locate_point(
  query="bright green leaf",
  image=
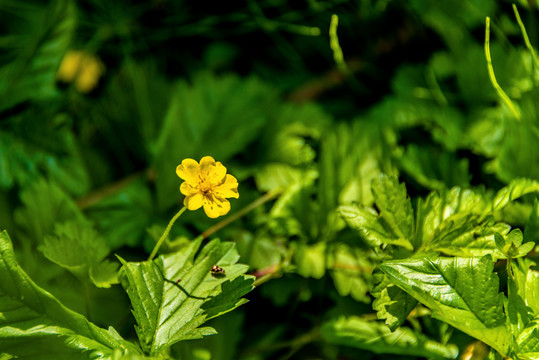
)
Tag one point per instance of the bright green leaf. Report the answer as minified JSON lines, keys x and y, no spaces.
{"x":391,"y":302}
{"x":35,"y":325}
{"x":463,"y":292}
{"x":175,"y":294}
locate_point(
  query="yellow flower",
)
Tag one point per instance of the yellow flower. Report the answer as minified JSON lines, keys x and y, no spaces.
{"x":207,"y":184}
{"x":82,"y":68}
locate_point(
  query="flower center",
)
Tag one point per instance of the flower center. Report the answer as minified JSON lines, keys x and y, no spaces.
{"x":205,"y":187}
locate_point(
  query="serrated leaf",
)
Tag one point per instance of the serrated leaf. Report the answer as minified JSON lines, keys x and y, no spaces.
{"x":391,"y":302}
{"x":394,"y":205}
{"x":175,"y":294}
{"x":373,"y":336}
{"x":532,"y":291}
{"x":463,"y":292}
{"x":365,"y":221}
{"x":350,"y":267}
{"x":527,"y":342}
{"x":77,"y":247}
{"x":44,"y":204}
{"x":36,"y":326}
{"x":32,"y":74}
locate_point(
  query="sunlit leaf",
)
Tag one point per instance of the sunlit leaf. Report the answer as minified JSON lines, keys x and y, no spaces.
{"x":177,"y":293}
{"x":463,"y":292}
{"x":35,"y":325}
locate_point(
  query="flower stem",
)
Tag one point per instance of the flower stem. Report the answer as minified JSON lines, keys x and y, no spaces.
{"x":165,"y":234}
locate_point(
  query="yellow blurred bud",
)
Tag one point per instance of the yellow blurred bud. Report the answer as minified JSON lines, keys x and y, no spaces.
{"x":81,"y":68}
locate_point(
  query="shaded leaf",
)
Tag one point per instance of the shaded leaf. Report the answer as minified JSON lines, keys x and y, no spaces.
{"x":373,"y":336}
{"x":77,"y":247}
{"x":32,"y":74}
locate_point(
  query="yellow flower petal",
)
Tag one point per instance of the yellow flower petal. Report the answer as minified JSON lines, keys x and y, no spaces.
{"x":217,"y":173}
{"x":229,"y":188}
{"x":188,"y":190}
{"x":206,"y":165}
{"x":194,"y":202}
{"x":215,"y":207}
{"x":189,"y":170}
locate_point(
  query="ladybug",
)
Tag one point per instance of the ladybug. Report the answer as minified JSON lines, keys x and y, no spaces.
{"x":217,"y":271}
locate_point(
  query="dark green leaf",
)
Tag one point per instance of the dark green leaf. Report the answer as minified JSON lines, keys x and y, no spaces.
{"x":32,"y":74}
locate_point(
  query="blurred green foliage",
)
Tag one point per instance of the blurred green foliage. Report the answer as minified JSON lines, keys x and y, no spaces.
{"x":384,"y":191}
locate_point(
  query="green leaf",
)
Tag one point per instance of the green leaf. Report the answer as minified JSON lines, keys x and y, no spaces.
{"x":516,"y":189}
{"x":44,"y":204}
{"x":124,"y":217}
{"x":217,"y":116}
{"x":394,"y":205}
{"x":373,"y":336}
{"x":40,"y":143}
{"x":365,"y":221}
{"x":516,"y":293}
{"x":351,"y":268}
{"x":391,"y":302}
{"x":527,"y":342}
{"x":175,"y":294}
{"x":77,"y":247}
{"x":435,"y":169}
{"x":464,"y":292}
{"x":311,"y":260}
{"x":35,"y":325}
{"x":532,"y":291}
{"x":32,"y":74}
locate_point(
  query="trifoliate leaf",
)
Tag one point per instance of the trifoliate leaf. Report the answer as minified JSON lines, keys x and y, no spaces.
{"x":376,"y":337}
{"x":35,"y":325}
{"x":177,"y":293}
{"x":464,"y":292}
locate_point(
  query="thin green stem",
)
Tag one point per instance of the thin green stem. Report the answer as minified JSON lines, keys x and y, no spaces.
{"x":525,"y":36}
{"x":165,"y":234}
{"x":261,"y":200}
{"x":493,"y":80}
